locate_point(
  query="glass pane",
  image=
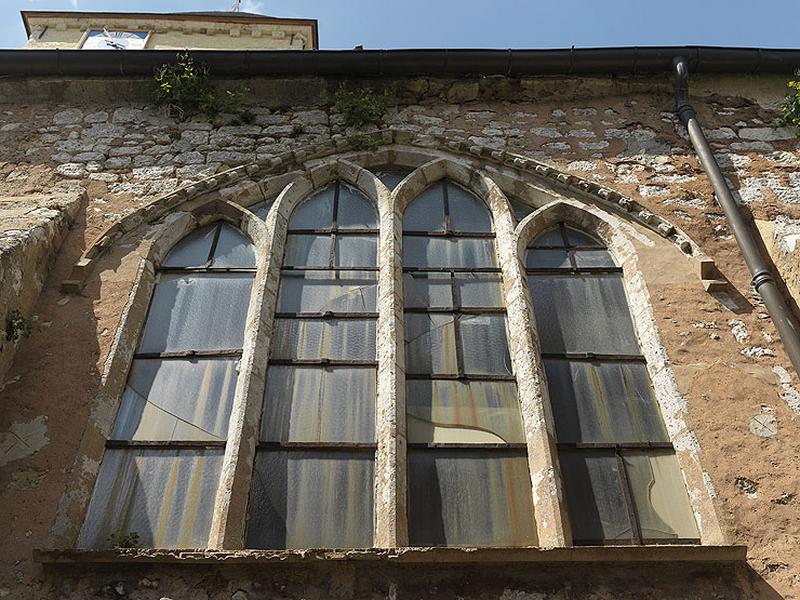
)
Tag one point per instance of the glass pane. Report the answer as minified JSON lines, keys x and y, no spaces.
{"x":197,"y":312}
{"x":595,"y":499}
{"x":262,"y":208}
{"x":578,"y":238}
{"x":463,"y":412}
{"x":321,"y":291}
{"x":192,"y":251}
{"x":552,"y":237}
{"x":582,"y":313}
{"x":547,"y":259}
{"x":521,"y":210}
{"x":356,"y":250}
{"x":166,"y":497}
{"x":603,"y":402}
{"x":594,"y":258}
{"x":233,"y":249}
{"x":484,"y":345}
{"x":316,"y":212}
{"x":467,"y":213}
{"x":659,"y":494}
{"x":480,"y":290}
{"x":307,"y":339}
{"x":469,"y":498}
{"x":177,"y":400}
{"x":319,"y":404}
{"x":430,"y":344}
{"x":311,"y":499}
{"x":392,"y":177}
{"x":421,"y":251}
{"x":427,"y":290}
{"x":355,"y":210}
{"x":307,"y":250}
{"x":426,"y":213}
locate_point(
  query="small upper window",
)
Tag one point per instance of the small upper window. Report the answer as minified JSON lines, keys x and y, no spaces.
{"x":115,"y":39}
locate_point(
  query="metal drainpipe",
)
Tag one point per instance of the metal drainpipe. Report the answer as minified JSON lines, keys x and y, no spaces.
{"x":762,"y":277}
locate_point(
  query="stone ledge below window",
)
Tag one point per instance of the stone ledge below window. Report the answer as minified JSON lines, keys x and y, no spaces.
{"x":574,"y":554}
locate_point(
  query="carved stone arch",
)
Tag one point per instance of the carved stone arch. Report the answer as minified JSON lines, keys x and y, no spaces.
{"x":607,"y":227}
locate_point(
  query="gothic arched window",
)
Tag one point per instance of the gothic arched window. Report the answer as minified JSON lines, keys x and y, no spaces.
{"x":467,"y":465}
{"x":313,"y":476}
{"x":158,"y":480}
{"x":622,"y":480}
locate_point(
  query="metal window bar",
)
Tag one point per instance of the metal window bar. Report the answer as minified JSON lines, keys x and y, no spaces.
{"x":593,"y":357}
{"x":570,"y":249}
{"x":457,"y":310}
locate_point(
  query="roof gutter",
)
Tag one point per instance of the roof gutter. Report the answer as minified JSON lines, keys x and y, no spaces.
{"x":389,"y":63}
{"x":763,"y":281}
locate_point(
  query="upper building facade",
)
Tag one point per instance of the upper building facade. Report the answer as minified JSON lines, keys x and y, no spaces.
{"x":214,"y":30}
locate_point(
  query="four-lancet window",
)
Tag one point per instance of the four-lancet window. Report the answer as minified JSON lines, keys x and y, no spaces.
{"x":313,"y":475}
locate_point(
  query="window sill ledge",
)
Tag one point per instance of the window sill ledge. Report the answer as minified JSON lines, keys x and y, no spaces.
{"x":574,"y":554}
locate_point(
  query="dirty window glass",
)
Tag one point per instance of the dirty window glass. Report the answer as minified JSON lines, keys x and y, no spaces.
{"x":309,"y":339}
{"x":322,"y":291}
{"x":316,"y":212}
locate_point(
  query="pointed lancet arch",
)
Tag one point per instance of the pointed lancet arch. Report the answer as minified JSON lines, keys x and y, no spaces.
{"x":631,"y":302}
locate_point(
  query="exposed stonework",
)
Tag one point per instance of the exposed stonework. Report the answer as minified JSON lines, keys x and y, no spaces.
{"x":614,"y":141}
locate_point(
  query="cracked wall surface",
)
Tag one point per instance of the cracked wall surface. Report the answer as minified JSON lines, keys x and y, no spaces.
{"x":729,"y":367}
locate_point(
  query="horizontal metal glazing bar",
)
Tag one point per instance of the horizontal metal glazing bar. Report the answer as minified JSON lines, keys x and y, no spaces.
{"x":454,"y":446}
{"x":450,"y":270}
{"x":190,"y":353}
{"x":632,"y":542}
{"x":616,"y":446}
{"x":465,"y":310}
{"x":206,"y":270}
{"x":343,"y":446}
{"x":449,"y":234}
{"x":326,"y":315}
{"x":591,"y":356}
{"x":165,"y":445}
{"x":577,"y":270}
{"x":338,"y":231}
{"x":312,"y":268}
{"x":325,"y":362}
{"x":466,"y":377}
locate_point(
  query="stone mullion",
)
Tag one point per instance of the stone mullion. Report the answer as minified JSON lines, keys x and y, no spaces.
{"x":229,"y":520}
{"x":552,"y":524}
{"x":391,"y":525}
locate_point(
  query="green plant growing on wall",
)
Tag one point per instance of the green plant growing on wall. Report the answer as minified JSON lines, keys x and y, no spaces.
{"x":364,"y":141}
{"x":361,"y":106}
{"x":124,"y":539}
{"x":185,"y":88}
{"x":17,"y":326}
{"x":790,"y":109}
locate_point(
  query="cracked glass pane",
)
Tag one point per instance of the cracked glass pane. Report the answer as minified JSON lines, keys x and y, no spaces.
{"x":421,"y":252}
{"x":321,"y":291}
{"x":427,"y":290}
{"x":583,"y":313}
{"x":596,"y":502}
{"x":579,"y":238}
{"x":307,"y":250}
{"x":312,"y":499}
{"x":480,"y":290}
{"x":199,"y":311}
{"x":659,"y":494}
{"x":356,"y":251}
{"x":593,"y":258}
{"x":469,"y":498}
{"x":430,"y":344}
{"x":166,"y":497}
{"x":603,"y":402}
{"x":315,"y":212}
{"x":484,"y":345}
{"x":192,"y":250}
{"x":355,"y":210}
{"x":426,"y":212}
{"x":319,"y":404}
{"x":177,"y":400}
{"x":308,"y":339}
{"x":233,"y":249}
{"x":467,"y":212}
{"x":552,"y":237}
{"x":470,"y":412}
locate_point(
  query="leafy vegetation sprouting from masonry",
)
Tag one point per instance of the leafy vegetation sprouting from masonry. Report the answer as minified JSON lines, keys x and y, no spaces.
{"x":185,"y":88}
{"x":790,"y":109}
{"x":124,"y":539}
{"x":361,"y":106}
{"x":17,"y":326}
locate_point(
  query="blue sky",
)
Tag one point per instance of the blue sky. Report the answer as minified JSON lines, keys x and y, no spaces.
{"x":488,"y":24}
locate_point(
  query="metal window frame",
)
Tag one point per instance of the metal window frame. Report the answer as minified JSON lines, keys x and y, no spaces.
{"x":333,"y":231}
{"x":457,"y":310}
{"x":618,"y":448}
{"x":183,"y":355}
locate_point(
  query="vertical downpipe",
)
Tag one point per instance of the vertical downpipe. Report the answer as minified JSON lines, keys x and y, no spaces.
{"x":762,"y":276}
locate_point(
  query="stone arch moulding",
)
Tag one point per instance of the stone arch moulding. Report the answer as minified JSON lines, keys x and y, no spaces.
{"x":152,"y":245}
{"x":596,"y":221}
{"x":263,"y":180}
